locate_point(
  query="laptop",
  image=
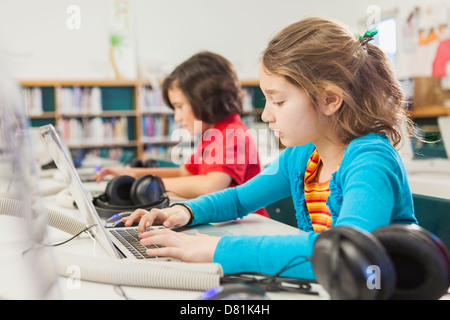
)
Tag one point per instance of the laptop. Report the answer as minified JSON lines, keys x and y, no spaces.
{"x":118,"y":242}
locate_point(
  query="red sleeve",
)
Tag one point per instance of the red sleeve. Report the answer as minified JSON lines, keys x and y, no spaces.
{"x":238,"y":158}
{"x":190,"y":166}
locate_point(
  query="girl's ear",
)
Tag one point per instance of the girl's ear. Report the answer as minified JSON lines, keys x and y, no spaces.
{"x":332,"y":101}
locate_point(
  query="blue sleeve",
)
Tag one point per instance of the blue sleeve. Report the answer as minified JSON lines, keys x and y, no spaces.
{"x":270,"y":185}
{"x":375,"y":191}
{"x":267,"y":254}
{"x":270,"y":253}
{"x":372,"y":184}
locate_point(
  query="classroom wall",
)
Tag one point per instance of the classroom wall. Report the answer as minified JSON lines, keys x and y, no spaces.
{"x":238,"y":29}
{"x":39,"y":42}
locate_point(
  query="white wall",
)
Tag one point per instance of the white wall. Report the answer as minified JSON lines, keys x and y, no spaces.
{"x":38,"y":44}
{"x":169,"y":31}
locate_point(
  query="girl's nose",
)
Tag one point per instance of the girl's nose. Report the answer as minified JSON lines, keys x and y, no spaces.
{"x":177,"y":115}
{"x":267,"y":115}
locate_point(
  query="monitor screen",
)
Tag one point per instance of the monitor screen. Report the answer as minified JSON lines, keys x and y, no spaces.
{"x":79,"y":193}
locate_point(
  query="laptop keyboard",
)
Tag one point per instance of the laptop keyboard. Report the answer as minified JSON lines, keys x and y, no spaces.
{"x":129,"y":238}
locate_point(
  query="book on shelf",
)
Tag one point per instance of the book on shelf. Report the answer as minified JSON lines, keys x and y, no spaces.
{"x":79,"y":101}
{"x":157,"y":129}
{"x":94,"y":131}
{"x":32,"y":97}
{"x":174,"y":154}
{"x":150,"y":100}
{"x":113,"y":154}
{"x":247,"y":100}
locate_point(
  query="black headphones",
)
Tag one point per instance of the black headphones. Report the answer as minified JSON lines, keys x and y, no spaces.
{"x":125,"y":193}
{"x":138,"y":163}
{"x":393,"y":262}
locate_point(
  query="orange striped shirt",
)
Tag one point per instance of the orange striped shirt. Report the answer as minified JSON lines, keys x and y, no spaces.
{"x":316,"y":195}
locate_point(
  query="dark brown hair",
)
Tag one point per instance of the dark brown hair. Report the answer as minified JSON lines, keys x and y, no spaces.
{"x":210,"y":84}
{"x":318,"y":54}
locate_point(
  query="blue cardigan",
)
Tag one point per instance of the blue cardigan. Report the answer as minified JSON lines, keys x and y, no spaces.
{"x":369,"y":190}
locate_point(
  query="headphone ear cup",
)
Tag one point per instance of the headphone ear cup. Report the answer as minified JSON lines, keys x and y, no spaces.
{"x":117,"y":190}
{"x":147,"y":189}
{"x":420,"y":259}
{"x":341,"y":260}
{"x":136,"y":163}
{"x":151,"y":163}
{"x":125,"y":193}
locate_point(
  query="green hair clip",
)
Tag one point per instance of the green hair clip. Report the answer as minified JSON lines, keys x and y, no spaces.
{"x":368,"y":36}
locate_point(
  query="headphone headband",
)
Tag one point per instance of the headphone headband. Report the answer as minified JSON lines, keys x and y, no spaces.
{"x":392,"y":262}
{"x":125,"y":193}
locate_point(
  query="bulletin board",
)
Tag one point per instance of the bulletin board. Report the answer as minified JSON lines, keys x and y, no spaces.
{"x":424,"y":42}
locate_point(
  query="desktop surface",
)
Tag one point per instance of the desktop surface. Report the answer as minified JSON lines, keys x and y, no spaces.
{"x":252,"y":224}
{"x":71,"y":288}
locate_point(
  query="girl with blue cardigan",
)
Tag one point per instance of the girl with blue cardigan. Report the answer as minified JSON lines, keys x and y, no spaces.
{"x":333,"y":100}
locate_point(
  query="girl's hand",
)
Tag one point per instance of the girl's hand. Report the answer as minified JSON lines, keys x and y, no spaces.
{"x":176,"y":216}
{"x":99,"y":175}
{"x":187,"y":248}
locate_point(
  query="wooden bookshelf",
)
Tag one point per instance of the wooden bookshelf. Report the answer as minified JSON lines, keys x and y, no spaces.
{"x":431,"y":111}
{"x":249,"y":83}
{"x":120,"y":99}
{"x":80,"y":82}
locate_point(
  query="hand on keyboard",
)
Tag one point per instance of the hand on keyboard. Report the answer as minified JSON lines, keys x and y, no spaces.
{"x":178,"y":245}
{"x":176,"y":216}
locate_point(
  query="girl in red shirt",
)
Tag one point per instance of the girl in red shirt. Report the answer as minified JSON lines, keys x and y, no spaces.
{"x":205,"y":93}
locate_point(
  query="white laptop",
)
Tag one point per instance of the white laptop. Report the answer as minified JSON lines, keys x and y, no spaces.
{"x":118,"y":242}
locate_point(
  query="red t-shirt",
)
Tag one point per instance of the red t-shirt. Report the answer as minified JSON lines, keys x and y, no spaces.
{"x":227,"y":147}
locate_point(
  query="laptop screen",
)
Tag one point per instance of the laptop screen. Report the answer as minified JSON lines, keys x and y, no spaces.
{"x":63,"y":161}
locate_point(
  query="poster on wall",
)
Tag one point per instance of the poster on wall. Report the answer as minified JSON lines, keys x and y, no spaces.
{"x":425,"y":40}
{"x":122,"y":53}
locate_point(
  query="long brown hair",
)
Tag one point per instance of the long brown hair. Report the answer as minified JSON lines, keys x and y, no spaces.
{"x":317,"y":54}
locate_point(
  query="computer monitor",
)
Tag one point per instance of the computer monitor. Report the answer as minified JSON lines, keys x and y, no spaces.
{"x":84,"y":203}
{"x":27,"y":269}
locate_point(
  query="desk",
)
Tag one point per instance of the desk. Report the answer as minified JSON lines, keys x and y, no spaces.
{"x":13,"y":229}
{"x":429,"y":177}
{"x":252,"y":224}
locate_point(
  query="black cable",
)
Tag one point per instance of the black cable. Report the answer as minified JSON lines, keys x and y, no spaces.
{"x":273,"y":283}
{"x":119,"y":290}
{"x":61,"y":243}
{"x":64,"y":242}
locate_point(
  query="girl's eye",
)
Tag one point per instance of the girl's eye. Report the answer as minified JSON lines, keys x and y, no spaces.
{"x":278,"y":103}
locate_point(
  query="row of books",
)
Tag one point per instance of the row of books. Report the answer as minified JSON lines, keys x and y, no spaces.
{"x":157,"y":127}
{"x":247,"y":99}
{"x":158,"y":152}
{"x":78,"y":100}
{"x":114,"y":154}
{"x":94,"y":131}
{"x":32,"y":97}
{"x":150,"y":99}
{"x":176,"y":154}
{"x":88,"y":100}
